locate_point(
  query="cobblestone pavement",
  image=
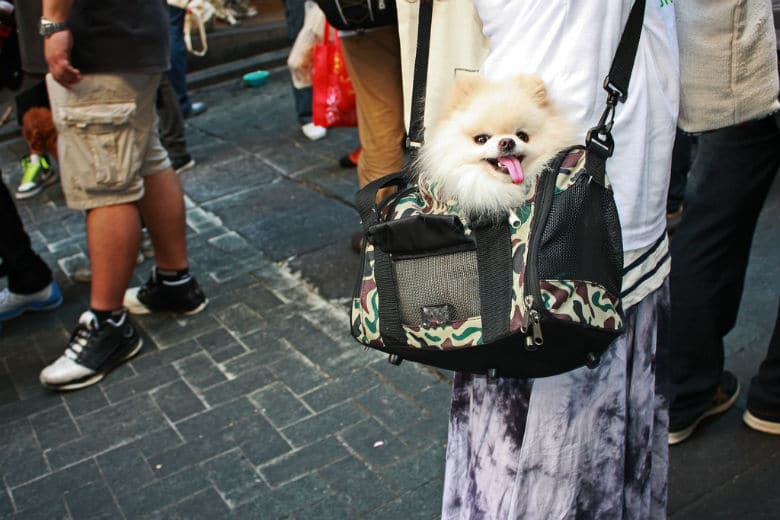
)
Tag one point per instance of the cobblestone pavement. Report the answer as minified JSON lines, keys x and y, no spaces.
{"x":262,"y":406}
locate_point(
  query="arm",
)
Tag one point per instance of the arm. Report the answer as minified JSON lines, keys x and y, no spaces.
{"x":57,"y":46}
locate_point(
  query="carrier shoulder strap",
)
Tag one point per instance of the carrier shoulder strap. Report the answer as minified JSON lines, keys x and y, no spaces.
{"x":599,"y":142}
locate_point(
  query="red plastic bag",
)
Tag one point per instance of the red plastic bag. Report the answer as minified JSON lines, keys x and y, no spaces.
{"x":333,"y":99}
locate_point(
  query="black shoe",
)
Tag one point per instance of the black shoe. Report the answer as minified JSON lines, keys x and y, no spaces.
{"x":183,"y":296}
{"x":93,"y":351}
{"x":181,"y":164}
{"x":724,"y":397}
{"x":761,"y":422}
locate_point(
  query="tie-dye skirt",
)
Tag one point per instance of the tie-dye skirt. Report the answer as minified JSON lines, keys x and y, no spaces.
{"x":588,"y":444}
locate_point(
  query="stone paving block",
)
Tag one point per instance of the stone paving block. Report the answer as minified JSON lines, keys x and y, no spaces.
{"x":266,"y":354}
{"x":221,"y":345}
{"x":304,"y":461}
{"x":240,"y":319}
{"x":345,"y":387}
{"x":50,"y":510}
{"x":375,"y":444}
{"x":152,"y":357}
{"x":137,"y":414}
{"x":54,"y":427}
{"x":409,"y":378}
{"x":140,"y":383}
{"x":414,"y":471}
{"x":162,"y":493}
{"x":20,"y":409}
{"x":125,"y":469}
{"x":200,"y":371}
{"x":234,"y":478}
{"x":54,"y":485}
{"x":297,"y":373}
{"x":356,"y":485}
{"x":242,"y":385}
{"x":279,"y":405}
{"x":427,"y":431}
{"x":93,"y":501}
{"x":8,"y":392}
{"x":158,"y":441}
{"x":324,"y":423}
{"x":423,"y":503}
{"x":6,"y":507}
{"x":21,"y":459}
{"x":331,"y":508}
{"x":205,"y":505}
{"x":191,"y":453}
{"x":175,"y":330}
{"x":216,"y":418}
{"x":436,"y":398}
{"x":85,"y":401}
{"x":392,"y":408}
{"x":177,"y":401}
{"x":309,"y":489}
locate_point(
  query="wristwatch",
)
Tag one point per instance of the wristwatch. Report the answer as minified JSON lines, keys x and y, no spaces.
{"x":47,"y":27}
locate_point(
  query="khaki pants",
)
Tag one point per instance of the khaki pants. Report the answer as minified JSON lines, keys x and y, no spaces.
{"x":374,"y":64}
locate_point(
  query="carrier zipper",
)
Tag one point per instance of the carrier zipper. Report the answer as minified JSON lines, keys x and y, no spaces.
{"x":531,"y":318}
{"x":533,"y":293}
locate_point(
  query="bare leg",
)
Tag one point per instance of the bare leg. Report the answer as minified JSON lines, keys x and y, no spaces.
{"x":113,"y":235}
{"x":163,"y":212}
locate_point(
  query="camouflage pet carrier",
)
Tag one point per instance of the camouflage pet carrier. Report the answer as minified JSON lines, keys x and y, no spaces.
{"x":532,"y":295}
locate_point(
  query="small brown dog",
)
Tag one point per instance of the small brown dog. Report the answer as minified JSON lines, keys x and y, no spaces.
{"x":39,"y":132}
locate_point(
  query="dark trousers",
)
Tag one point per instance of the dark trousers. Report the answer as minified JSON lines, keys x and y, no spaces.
{"x":681,"y":164}
{"x":730,"y":176}
{"x":764,"y":395}
{"x":26,"y":272}
{"x":178,"y":71}
{"x":171,"y":121}
{"x":294,"y":13}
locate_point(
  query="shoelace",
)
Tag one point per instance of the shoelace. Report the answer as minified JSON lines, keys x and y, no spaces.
{"x":80,"y":338}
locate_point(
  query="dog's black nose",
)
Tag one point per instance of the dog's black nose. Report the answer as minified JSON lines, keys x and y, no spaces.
{"x":506,"y":144}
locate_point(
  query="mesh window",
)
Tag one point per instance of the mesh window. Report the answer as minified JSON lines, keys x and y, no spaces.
{"x":581,"y":231}
{"x":450,"y":279}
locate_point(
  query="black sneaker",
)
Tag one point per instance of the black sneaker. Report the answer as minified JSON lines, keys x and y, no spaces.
{"x":762,"y":422}
{"x":724,"y":397}
{"x":93,"y":351}
{"x":182,"y":296}
{"x":182,"y":164}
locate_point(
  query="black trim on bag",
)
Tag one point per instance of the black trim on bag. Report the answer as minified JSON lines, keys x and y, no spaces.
{"x":494,"y":264}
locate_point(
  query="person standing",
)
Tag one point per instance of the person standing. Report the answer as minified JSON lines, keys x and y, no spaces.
{"x":590,"y":443}
{"x":105,"y":58}
{"x":733,"y":112}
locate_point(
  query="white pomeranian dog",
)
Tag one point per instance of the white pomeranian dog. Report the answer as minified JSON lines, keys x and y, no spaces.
{"x":491,"y":143}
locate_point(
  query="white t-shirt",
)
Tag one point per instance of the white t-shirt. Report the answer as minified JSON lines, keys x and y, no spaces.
{"x":571,"y":44}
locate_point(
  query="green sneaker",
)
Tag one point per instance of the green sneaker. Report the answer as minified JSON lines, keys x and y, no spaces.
{"x":36,"y":175}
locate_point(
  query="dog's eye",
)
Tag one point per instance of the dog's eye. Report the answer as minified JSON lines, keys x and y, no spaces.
{"x":481,"y":138}
{"x":523,"y":136}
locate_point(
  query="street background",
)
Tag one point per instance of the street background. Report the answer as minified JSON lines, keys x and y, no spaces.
{"x":263,"y":406}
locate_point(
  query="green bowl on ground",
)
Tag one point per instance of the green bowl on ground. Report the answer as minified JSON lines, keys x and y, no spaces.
{"x":256,"y":78}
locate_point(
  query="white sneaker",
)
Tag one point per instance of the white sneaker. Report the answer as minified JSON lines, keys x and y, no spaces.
{"x":313,"y":131}
{"x":12,"y":304}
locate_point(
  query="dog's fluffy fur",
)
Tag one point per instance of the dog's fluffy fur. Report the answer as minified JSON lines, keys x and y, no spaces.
{"x":483,"y":125}
{"x":39,"y":132}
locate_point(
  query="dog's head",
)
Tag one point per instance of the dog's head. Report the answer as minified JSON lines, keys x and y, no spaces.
{"x":492,"y":142}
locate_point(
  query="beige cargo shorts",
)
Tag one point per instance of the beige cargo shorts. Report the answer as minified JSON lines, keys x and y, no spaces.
{"x":108,"y":140}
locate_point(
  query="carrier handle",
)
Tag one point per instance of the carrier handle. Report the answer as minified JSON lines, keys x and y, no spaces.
{"x":365,"y":200}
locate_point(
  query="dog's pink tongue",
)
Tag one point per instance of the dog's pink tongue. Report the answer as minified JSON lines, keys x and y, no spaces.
{"x":513,"y":166}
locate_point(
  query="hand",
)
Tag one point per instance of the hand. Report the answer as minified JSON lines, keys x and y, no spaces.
{"x":57,"y":51}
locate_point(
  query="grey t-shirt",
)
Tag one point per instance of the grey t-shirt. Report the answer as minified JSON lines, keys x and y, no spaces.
{"x":120,"y":36}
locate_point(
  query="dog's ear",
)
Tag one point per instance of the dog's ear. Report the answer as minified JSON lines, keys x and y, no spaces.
{"x":535,"y":87}
{"x":464,"y":87}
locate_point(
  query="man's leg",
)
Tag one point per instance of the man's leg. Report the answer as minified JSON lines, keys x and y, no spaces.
{"x":729,"y":180}
{"x":30,"y":284}
{"x":113,"y":235}
{"x":763,"y":406}
{"x":162,"y":208}
{"x":178,"y":71}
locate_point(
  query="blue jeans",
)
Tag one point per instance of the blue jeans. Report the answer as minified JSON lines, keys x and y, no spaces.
{"x":728,"y":182}
{"x":178,"y":71}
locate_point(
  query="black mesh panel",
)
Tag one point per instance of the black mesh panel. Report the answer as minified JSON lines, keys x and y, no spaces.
{"x":581,"y":229}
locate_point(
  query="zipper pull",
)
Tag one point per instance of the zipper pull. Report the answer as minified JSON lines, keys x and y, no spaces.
{"x":382,"y":5}
{"x":528,"y":301}
{"x":536,"y":326}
